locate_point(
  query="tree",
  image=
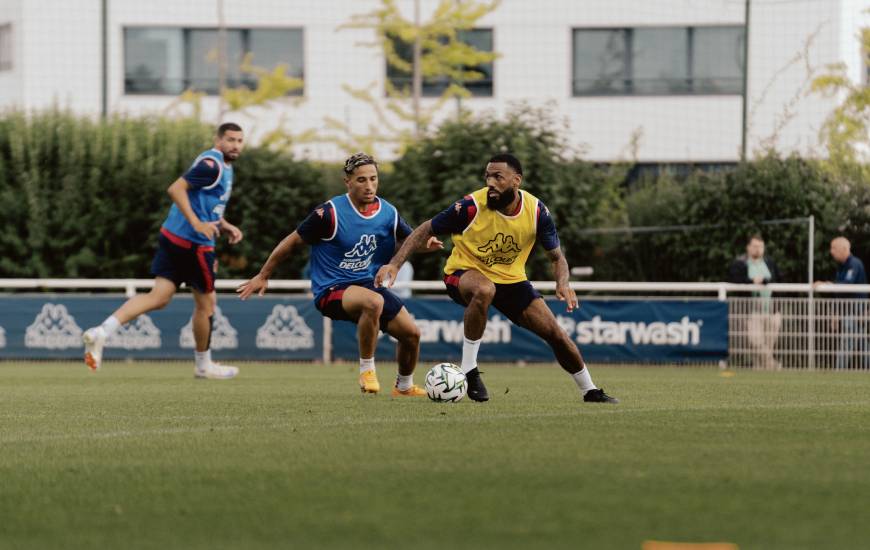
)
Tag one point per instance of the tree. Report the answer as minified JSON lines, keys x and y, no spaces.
{"x":448,"y":164}
{"x":437,"y":52}
{"x":846,"y":132}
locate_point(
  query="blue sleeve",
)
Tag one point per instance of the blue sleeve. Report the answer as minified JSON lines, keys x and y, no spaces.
{"x":456,"y":218}
{"x":546,"y":229}
{"x":860,"y":275}
{"x":203,"y":173}
{"x":402,"y":229}
{"x":318,"y":225}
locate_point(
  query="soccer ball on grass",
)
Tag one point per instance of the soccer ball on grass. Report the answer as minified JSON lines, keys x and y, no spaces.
{"x":445,"y":383}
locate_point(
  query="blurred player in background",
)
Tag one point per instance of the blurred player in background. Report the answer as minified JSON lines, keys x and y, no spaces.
{"x":185,"y":252}
{"x":494,"y":230}
{"x":351,"y":236}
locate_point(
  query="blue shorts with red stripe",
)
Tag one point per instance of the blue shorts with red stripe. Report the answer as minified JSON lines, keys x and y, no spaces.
{"x":510,"y":298}
{"x":328,"y":302}
{"x":183,"y":261}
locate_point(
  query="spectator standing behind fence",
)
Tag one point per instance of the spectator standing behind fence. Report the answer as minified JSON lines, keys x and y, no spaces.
{"x":849,"y":309}
{"x":764,"y":322}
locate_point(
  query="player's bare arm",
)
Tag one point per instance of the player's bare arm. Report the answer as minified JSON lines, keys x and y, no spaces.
{"x":234,"y":233}
{"x":178,"y":192}
{"x":560,"y":269}
{"x":432,"y":245}
{"x":260,"y":281}
{"x":416,"y":240}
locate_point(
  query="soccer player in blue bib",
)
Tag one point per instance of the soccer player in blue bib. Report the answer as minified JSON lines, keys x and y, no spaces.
{"x":351,"y":236}
{"x":185,"y":252}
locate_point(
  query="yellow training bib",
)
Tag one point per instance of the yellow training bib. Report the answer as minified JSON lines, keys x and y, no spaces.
{"x":494,"y":244}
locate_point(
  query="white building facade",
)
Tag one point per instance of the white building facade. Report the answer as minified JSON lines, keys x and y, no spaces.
{"x":659,"y":82}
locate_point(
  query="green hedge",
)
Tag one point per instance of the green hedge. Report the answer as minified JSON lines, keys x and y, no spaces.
{"x":85,"y":198}
{"x":80,"y":198}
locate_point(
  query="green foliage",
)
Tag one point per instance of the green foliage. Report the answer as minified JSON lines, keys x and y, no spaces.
{"x":730,"y":206}
{"x":448,"y":165}
{"x":271,"y":85}
{"x":80,"y":198}
{"x":443,"y":56}
{"x":85,"y":199}
{"x":847,"y":129}
{"x":273,"y":194}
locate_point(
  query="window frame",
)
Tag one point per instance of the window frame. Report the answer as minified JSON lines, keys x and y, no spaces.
{"x":185,"y":60}
{"x":629,"y":89}
{"x":7,"y":55}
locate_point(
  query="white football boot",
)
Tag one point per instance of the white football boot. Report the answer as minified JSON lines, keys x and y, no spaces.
{"x":94,"y":339}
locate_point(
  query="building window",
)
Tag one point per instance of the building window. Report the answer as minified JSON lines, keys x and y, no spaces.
{"x":6,"y":47}
{"x":171,"y":60}
{"x":658,"y":61}
{"x":479,"y":39}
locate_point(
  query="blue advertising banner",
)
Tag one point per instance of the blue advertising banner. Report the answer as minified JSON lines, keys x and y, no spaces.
{"x":51,"y":326}
{"x":607,"y":331}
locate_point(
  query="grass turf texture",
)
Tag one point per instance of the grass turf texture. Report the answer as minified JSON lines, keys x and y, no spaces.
{"x":144,"y":456}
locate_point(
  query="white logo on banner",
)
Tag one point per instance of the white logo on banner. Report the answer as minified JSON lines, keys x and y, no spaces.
{"x":498,"y":330}
{"x":2,"y":338}
{"x":677,"y":333}
{"x":285,"y":329}
{"x":223,"y":335}
{"x":140,"y":333}
{"x":53,"y":328}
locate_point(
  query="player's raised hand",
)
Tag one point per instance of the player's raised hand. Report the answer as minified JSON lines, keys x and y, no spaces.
{"x":434,"y":244}
{"x":386,"y":276}
{"x":566,"y":294}
{"x":210,"y":229}
{"x":257,"y":284}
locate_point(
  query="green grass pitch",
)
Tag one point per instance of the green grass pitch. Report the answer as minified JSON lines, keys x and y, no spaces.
{"x":293,"y":456}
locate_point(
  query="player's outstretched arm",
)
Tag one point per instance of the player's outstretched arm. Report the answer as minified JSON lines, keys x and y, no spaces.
{"x":259,"y":282}
{"x":416,"y":240}
{"x":178,"y":192}
{"x":564,"y":292}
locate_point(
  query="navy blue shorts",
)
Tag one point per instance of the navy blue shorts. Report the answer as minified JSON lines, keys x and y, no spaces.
{"x":328,"y":302}
{"x":182,"y":261}
{"x":511,"y":298}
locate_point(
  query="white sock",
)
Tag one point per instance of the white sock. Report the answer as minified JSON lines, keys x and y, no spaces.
{"x":366,"y":365}
{"x":404,"y":382}
{"x":469,"y":354}
{"x":202,"y":358}
{"x":110,"y":325}
{"x":583,"y":380}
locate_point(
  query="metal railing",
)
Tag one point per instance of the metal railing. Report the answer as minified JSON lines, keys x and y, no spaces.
{"x":801,"y":326}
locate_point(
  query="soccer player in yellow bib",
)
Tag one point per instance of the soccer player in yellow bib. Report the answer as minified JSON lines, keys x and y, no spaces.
{"x":494,"y":230}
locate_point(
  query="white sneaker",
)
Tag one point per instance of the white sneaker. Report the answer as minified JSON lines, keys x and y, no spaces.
{"x":215,"y":371}
{"x":94,"y":339}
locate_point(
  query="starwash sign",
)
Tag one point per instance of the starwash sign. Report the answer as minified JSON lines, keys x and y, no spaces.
{"x":628,"y":331}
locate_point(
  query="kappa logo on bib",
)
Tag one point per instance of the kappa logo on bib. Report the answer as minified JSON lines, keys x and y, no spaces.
{"x":360,"y":257}
{"x":501,"y":249}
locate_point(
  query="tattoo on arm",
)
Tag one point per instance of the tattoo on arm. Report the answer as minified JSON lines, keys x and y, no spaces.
{"x":560,"y":265}
{"x":415,"y":240}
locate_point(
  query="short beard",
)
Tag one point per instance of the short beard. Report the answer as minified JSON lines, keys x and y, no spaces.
{"x":503,"y":200}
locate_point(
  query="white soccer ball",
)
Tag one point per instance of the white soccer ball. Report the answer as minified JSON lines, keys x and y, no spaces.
{"x":445,"y":383}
